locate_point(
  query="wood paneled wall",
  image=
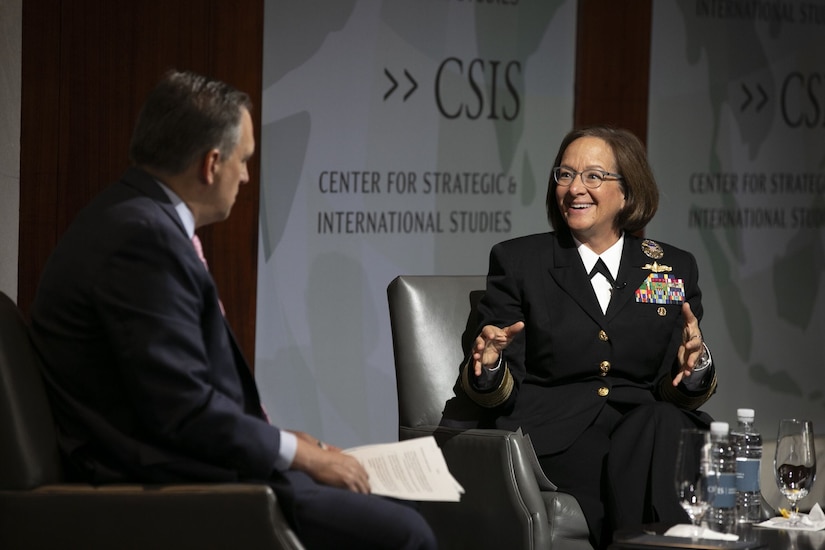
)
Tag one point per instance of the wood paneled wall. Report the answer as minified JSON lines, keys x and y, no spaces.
{"x":88,"y":65}
{"x":613,"y":63}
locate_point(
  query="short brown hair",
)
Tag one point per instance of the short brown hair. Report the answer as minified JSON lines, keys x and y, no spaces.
{"x":641,"y":191}
{"x":185,"y":116}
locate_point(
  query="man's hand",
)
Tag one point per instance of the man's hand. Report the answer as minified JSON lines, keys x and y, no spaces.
{"x":328,"y":465}
{"x":491,"y":342}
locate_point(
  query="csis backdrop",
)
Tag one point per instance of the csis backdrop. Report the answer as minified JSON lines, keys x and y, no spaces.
{"x":737,"y":141}
{"x":398,"y":137}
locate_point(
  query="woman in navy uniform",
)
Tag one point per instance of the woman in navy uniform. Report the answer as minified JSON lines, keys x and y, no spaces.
{"x":589,"y":338}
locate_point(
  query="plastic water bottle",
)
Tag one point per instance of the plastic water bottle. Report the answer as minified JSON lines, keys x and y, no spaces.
{"x":748,"y":445}
{"x":721,"y":480}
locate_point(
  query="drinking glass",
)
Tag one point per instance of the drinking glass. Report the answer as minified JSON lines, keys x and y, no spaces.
{"x":692,"y":461}
{"x":795,"y":462}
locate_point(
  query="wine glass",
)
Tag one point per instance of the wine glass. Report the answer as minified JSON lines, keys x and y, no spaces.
{"x":795,"y":462}
{"x":692,"y":461}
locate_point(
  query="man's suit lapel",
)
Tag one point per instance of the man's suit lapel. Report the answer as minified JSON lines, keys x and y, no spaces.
{"x":567,"y":270}
{"x":252,"y":399}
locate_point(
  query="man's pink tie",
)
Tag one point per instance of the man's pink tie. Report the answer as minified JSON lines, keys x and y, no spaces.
{"x":196,"y":242}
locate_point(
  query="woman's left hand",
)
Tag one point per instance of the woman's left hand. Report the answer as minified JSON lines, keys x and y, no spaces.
{"x":692,"y":346}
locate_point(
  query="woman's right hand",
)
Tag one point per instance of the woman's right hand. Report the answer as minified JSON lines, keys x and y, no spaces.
{"x":491,"y":342}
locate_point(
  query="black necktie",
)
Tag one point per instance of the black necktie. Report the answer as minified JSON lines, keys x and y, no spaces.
{"x":600,"y":267}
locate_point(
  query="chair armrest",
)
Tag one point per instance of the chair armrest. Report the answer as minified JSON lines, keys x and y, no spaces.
{"x":541,"y":478}
{"x":233,"y":515}
{"x":502,"y":505}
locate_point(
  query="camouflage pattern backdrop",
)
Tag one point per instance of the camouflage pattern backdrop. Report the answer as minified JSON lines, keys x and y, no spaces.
{"x":737,"y":141}
{"x":398,"y":137}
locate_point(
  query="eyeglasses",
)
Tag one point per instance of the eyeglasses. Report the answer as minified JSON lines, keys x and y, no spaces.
{"x":592,"y":179}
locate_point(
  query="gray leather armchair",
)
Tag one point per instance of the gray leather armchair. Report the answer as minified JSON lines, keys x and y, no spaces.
{"x":508,"y":503}
{"x":39,"y":510}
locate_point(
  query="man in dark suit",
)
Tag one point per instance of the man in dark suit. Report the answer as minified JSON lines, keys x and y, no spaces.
{"x":146,"y":380}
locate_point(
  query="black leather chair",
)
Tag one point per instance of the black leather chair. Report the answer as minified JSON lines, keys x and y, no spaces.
{"x":39,"y":510}
{"x":508,"y":503}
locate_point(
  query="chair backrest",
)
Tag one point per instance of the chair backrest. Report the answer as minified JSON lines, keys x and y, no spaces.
{"x":433,"y":322}
{"x":28,"y":442}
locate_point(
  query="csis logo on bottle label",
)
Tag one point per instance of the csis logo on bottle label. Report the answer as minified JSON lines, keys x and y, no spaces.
{"x":722,"y":490}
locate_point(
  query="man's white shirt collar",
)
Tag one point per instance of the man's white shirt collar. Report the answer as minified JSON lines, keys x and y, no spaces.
{"x":185,"y":215}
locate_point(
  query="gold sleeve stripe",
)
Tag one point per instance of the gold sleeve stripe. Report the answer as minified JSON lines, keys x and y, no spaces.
{"x":492,"y":398}
{"x":681,"y":399}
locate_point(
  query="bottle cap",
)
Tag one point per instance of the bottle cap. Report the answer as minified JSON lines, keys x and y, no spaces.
{"x":745,"y":415}
{"x":719,"y":428}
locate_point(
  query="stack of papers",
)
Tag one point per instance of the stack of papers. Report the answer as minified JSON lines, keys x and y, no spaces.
{"x":413,"y":469}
